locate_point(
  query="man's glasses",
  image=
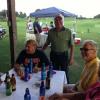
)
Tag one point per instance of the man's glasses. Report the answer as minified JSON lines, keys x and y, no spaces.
{"x":85,"y":49}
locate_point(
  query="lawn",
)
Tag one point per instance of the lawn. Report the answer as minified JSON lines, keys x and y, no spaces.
{"x":85,"y":28}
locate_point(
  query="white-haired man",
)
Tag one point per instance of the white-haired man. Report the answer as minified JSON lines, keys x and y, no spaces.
{"x":61,"y":41}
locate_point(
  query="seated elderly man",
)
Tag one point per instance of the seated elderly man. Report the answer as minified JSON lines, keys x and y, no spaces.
{"x":31,"y":52}
{"x":89,"y":76}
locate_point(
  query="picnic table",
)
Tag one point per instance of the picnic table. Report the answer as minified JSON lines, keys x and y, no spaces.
{"x":57,"y":82}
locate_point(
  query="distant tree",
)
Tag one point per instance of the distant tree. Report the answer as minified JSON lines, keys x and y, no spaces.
{"x":22,"y":15}
{"x":3,"y":13}
{"x":17,"y":14}
{"x":81,"y":17}
{"x":97,"y":16}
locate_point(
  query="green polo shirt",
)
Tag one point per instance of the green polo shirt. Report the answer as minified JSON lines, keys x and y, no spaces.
{"x":60,"y":41}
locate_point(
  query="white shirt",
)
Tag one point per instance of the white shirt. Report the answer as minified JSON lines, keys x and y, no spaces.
{"x":30,"y":25}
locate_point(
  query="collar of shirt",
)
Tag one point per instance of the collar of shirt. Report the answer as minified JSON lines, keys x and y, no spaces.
{"x":92,"y":61}
{"x":62,"y":29}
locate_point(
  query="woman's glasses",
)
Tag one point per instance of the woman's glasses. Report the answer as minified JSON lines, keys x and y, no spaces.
{"x":85,"y":49}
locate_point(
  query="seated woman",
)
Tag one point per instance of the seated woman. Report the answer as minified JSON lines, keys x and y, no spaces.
{"x":31,"y":52}
{"x":89,"y":75}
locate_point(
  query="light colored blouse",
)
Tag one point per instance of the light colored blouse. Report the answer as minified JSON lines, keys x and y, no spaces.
{"x":89,"y":75}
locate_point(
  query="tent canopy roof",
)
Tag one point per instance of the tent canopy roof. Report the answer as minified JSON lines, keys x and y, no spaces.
{"x":51,"y":12}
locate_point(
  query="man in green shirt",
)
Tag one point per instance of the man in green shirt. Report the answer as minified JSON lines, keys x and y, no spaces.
{"x":61,"y":41}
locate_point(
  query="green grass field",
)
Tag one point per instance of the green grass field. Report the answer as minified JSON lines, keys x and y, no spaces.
{"x":86,"y":29}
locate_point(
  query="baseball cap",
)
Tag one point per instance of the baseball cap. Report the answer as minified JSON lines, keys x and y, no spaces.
{"x":58,"y":17}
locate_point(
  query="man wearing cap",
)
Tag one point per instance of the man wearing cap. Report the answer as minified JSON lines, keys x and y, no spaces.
{"x":61,"y":41}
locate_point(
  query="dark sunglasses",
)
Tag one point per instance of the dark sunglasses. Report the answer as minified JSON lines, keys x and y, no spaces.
{"x":85,"y":49}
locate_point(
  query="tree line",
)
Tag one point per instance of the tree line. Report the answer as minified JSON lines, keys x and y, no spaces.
{"x":3,"y":14}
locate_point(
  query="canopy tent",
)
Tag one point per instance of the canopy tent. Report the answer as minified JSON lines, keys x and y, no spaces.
{"x":51,"y":12}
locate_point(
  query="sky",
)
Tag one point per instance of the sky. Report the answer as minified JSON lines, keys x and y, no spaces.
{"x":86,"y":8}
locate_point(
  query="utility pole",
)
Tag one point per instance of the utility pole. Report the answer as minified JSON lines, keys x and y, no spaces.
{"x":12,"y":29}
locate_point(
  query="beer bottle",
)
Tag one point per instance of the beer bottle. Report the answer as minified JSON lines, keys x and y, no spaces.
{"x":13,"y":82}
{"x":27,"y":75}
{"x":8,"y":87}
{"x":27,"y":95}
{"x":30,"y":65}
{"x":48,"y":80}
{"x":51,"y":69}
{"x":42,"y":91}
{"x":43,"y":72}
{"x":7,"y":76}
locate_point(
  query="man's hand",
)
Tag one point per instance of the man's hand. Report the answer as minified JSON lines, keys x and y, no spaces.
{"x":18,"y":70}
{"x":71,"y":61}
{"x":20,"y":73}
{"x":35,"y":69}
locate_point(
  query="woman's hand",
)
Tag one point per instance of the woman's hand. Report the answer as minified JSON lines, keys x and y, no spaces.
{"x":56,"y":96}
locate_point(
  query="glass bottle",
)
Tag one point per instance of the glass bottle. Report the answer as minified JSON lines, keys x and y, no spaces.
{"x":8,"y":87}
{"x":30,"y":65}
{"x":26,"y":74}
{"x":48,"y":80}
{"x":51,"y":69}
{"x":27,"y":95}
{"x":42,"y":91}
{"x":43,"y":72}
{"x":13,"y":82}
{"x":7,"y":76}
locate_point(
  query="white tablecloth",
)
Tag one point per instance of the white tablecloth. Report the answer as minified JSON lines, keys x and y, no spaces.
{"x":57,"y":82}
